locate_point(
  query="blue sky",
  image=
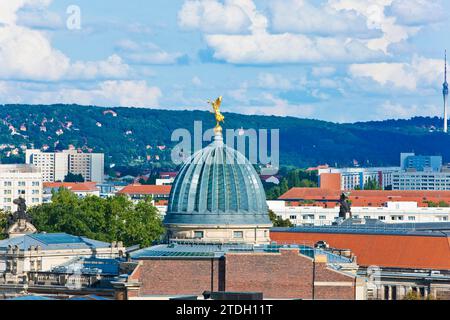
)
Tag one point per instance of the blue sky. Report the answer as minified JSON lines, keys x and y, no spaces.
{"x":336,"y":60}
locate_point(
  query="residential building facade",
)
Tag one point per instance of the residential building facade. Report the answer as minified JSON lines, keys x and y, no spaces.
{"x":81,"y":189}
{"x":392,"y":212}
{"x":357,"y":178}
{"x":19,"y":180}
{"x":56,"y":165}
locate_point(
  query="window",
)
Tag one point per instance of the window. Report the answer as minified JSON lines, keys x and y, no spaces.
{"x":382,"y":218}
{"x":412,"y":218}
{"x":21,"y":184}
{"x":198,"y":234}
{"x":322,"y":217}
{"x":35,"y":192}
{"x":7,"y":192}
{"x":35,"y":183}
{"x":293,"y":217}
{"x":8,"y":200}
{"x":7,"y":183}
{"x":238,"y":234}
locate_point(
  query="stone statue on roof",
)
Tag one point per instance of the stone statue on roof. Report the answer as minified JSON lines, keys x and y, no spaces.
{"x":19,"y":222}
{"x":345,"y":210}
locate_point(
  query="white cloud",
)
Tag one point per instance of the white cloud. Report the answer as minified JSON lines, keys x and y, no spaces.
{"x":279,"y":107}
{"x":147,"y":53}
{"x":27,"y":54}
{"x":240,"y":94}
{"x":211,"y":16}
{"x":38,"y":17}
{"x":111,"y":68}
{"x":131,"y":93}
{"x":418,"y":12}
{"x":374,"y":12}
{"x":273,"y":81}
{"x":124,"y":93}
{"x":196,"y":81}
{"x":421,"y":72}
{"x":301,"y":16}
{"x":323,"y":71}
{"x":266,"y":48}
{"x":302,"y":31}
{"x":389,"y":110}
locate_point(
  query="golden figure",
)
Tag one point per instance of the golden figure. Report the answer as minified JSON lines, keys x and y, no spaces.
{"x":219,"y":116}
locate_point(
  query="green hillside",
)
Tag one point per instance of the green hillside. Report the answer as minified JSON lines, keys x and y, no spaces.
{"x":142,"y":137}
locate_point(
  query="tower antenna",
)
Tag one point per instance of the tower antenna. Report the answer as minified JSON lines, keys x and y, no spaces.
{"x":445,"y":94}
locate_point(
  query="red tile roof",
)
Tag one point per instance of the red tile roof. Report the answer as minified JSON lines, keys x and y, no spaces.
{"x":168,"y":174}
{"x":375,"y":198}
{"x":137,"y":189}
{"x":396,"y":251}
{"x":73,"y":186}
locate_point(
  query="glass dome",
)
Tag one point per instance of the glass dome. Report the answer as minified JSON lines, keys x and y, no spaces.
{"x":217,"y":186}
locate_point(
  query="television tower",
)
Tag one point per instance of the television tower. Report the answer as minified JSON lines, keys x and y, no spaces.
{"x":445,"y":94}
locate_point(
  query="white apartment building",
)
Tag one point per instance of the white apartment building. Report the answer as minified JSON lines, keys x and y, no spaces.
{"x":394,"y":212}
{"x":56,"y":165}
{"x":421,"y":180}
{"x":19,"y":180}
{"x":352,"y":178}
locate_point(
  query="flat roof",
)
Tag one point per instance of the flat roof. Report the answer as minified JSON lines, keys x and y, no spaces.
{"x":211,"y":251}
{"x":420,"y":246}
{"x":53,"y":241}
{"x":432,"y":229}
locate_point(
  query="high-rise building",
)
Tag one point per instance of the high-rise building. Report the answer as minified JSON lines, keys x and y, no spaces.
{"x":56,"y":165}
{"x":445,"y":94}
{"x":19,"y":180}
{"x":412,"y":162}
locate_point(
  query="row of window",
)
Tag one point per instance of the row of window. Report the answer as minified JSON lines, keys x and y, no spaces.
{"x":236,"y":234}
{"x":10,"y":200}
{"x":382,"y":218}
{"x":20,"y":192}
{"x":21,"y":183}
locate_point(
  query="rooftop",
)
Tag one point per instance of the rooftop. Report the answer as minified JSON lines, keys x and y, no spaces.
{"x":138,"y":189}
{"x":210,"y":250}
{"x":19,"y":168}
{"x":409,"y":246}
{"x":53,"y":241}
{"x":362,"y":198}
{"x":73,"y":186}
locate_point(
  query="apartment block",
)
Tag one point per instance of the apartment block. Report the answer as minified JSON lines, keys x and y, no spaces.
{"x":19,"y":180}
{"x":56,"y":165}
{"x":356,"y":178}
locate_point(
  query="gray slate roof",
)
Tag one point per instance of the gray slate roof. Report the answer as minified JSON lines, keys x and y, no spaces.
{"x":53,"y":241}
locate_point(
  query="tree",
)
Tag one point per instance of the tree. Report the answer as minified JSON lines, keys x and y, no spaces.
{"x":443,"y":204}
{"x":372,"y":184}
{"x":294,"y":178}
{"x":278,"y":221}
{"x":112,"y":219}
{"x":414,"y":295}
{"x":70,"y":177}
{"x":3,"y":223}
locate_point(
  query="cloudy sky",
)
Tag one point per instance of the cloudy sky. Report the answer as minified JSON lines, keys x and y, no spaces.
{"x":337,"y":60}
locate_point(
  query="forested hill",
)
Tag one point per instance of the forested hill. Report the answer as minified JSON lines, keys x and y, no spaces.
{"x":142,"y":137}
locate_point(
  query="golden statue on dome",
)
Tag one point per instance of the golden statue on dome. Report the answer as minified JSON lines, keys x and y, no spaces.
{"x":219,"y":116}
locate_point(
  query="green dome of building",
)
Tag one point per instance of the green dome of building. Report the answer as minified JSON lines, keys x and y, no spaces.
{"x":218,"y":189}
